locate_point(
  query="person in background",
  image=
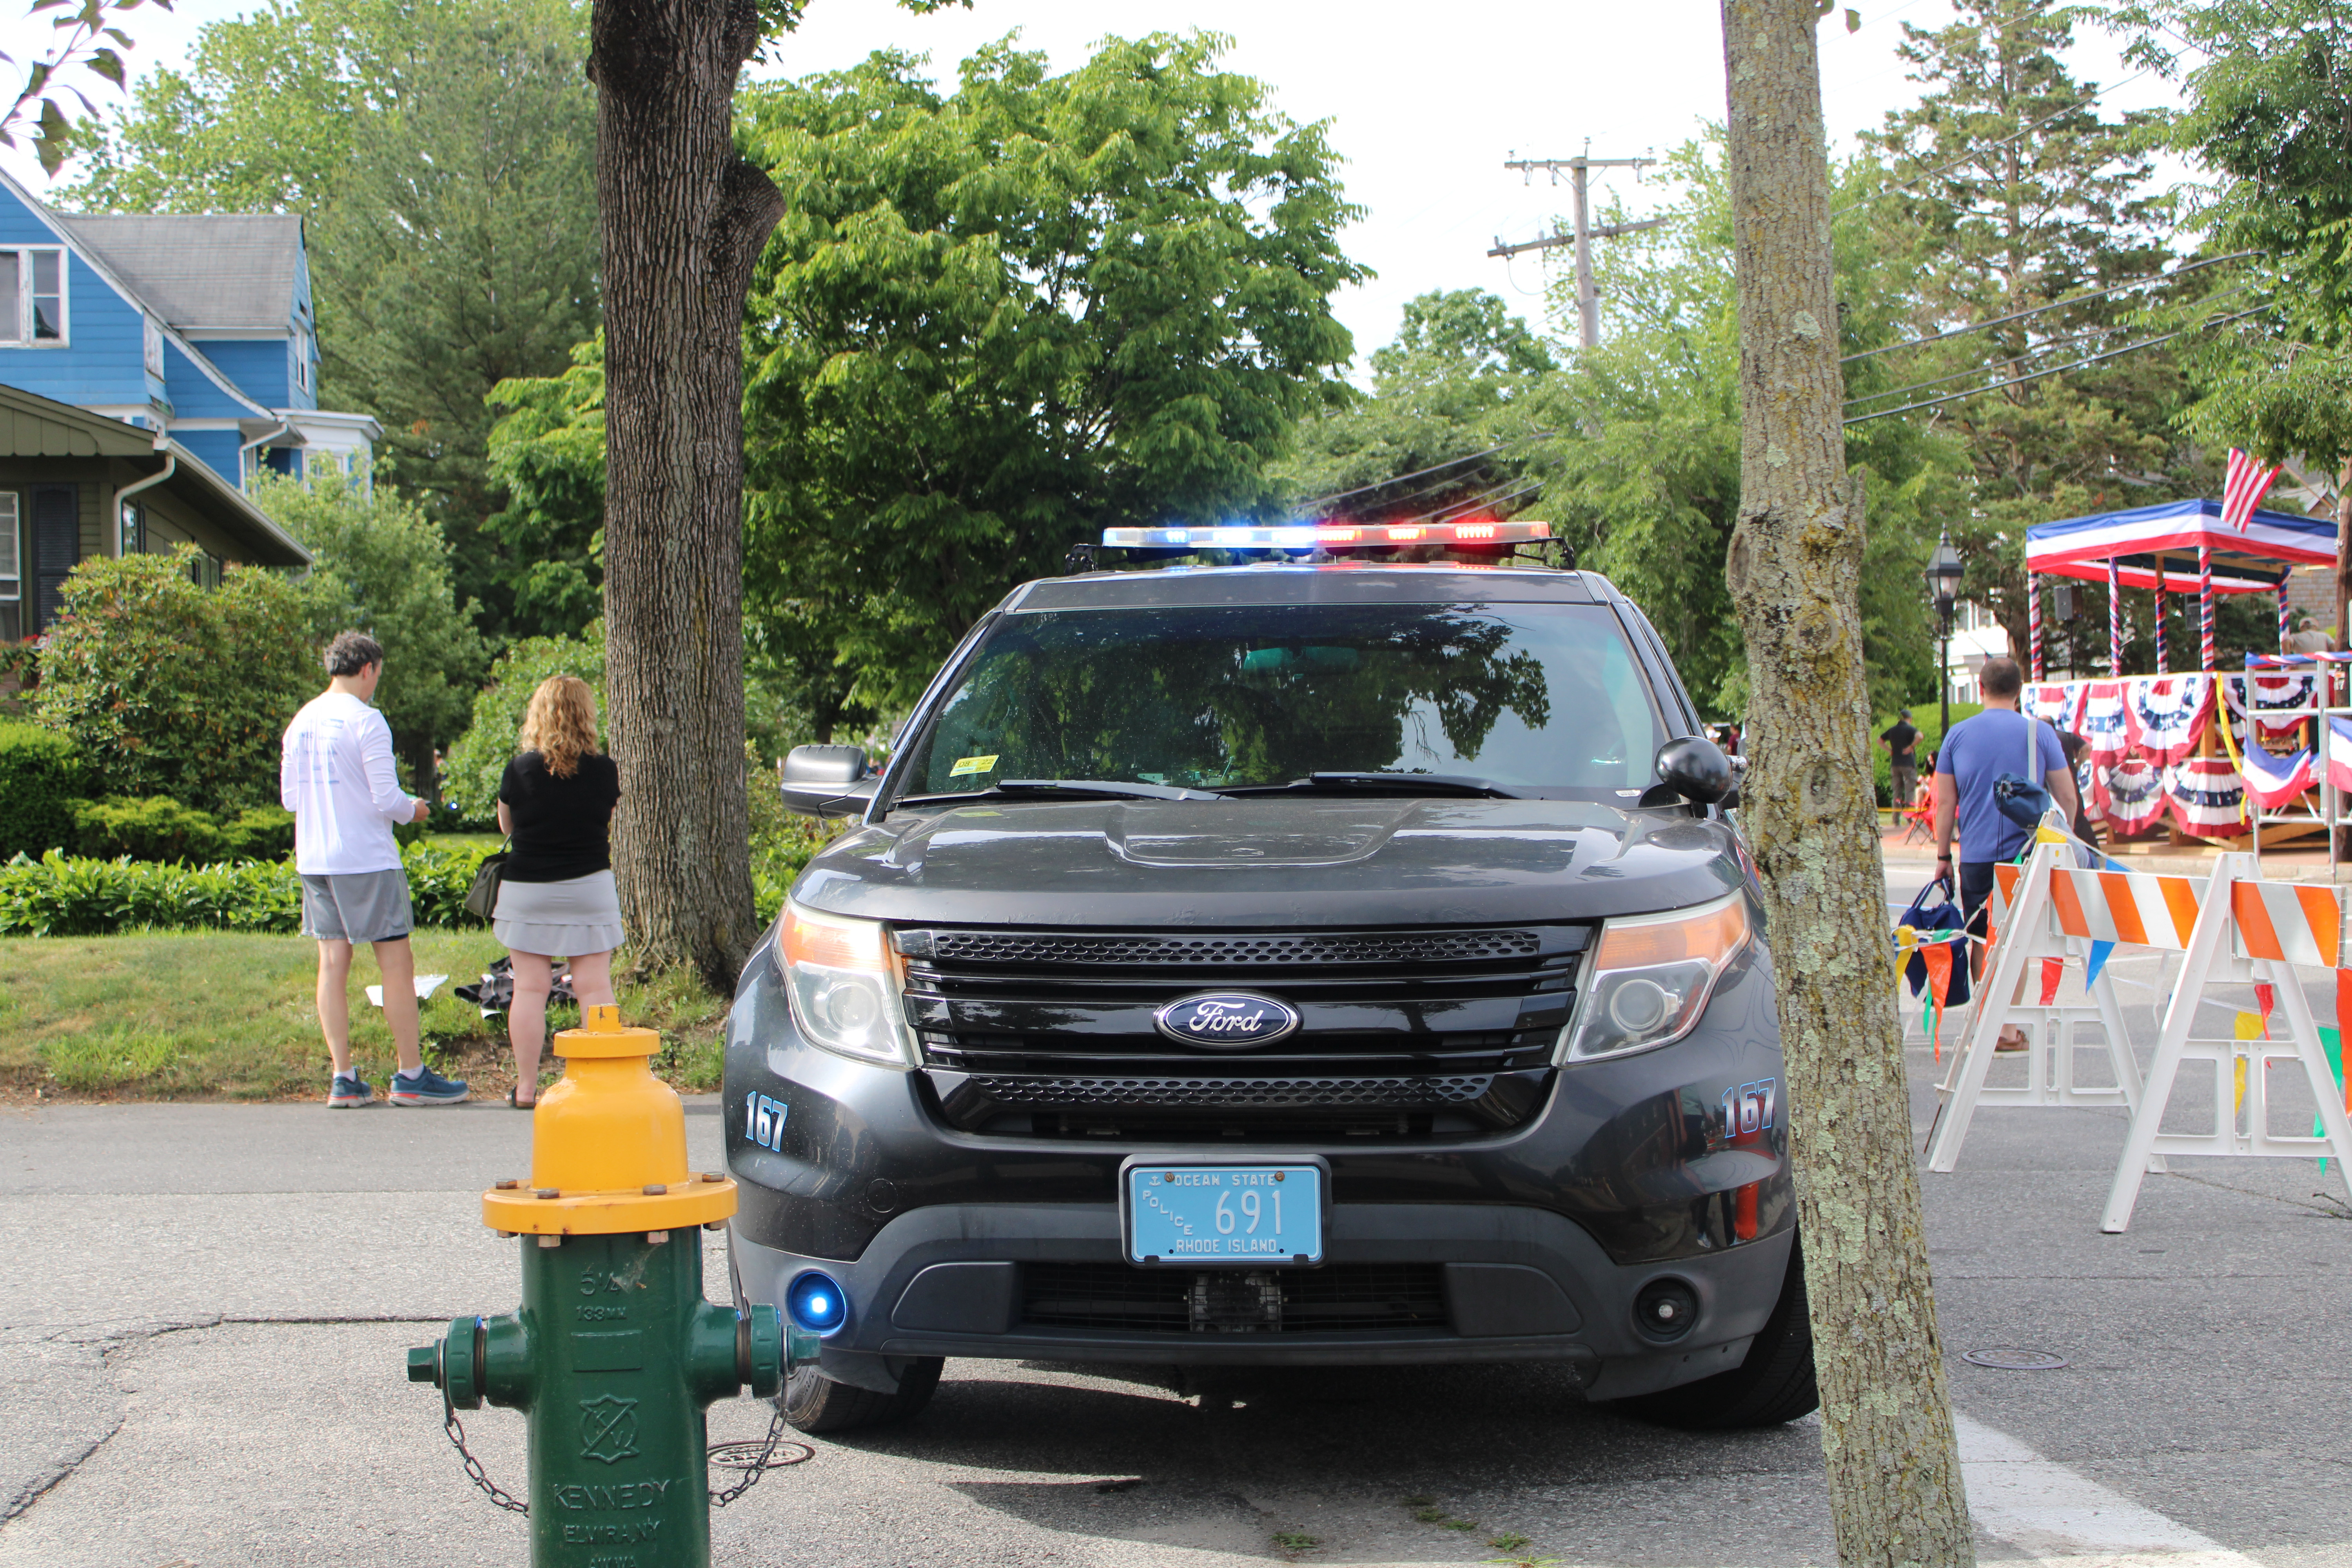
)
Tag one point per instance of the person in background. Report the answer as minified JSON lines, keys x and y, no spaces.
{"x":335,"y":775}
{"x":556,"y":898}
{"x":2308,"y":637}
{"x":1974,"y":755}
{"x":2075,"y":747}
{"x":1899,"y":739}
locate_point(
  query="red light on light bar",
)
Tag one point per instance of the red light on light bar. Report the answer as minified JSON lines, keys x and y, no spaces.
{"x":1406,"y":533}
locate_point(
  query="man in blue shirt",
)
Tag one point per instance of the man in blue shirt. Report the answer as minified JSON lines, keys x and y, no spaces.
{"x":1976,"y":753}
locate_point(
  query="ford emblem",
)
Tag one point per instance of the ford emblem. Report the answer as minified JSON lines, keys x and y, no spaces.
{"x":1227,"y":1020}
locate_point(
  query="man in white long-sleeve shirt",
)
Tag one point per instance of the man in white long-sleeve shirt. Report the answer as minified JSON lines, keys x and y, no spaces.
{"x":336,"y":776}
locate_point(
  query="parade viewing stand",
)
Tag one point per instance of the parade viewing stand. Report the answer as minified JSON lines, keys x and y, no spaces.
{"x":2261,"y":755}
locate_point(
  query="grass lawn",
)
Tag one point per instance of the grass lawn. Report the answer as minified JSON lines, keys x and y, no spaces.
{"x":215,"y":1015}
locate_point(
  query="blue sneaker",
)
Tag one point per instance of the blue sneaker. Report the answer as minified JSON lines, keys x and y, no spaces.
{"x":424,"y":1087}
{"x":348,"y":1092}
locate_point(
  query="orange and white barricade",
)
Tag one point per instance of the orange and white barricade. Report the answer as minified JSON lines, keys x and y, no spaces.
{"x":2044,"y":918}
{"x":2246,"y":931}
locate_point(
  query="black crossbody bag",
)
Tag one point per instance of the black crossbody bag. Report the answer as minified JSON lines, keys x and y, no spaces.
{"x":482,"y":897}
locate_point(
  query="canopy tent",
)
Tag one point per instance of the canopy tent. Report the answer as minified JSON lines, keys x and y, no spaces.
{"x":2253,"y":562}
{"x":2179,"y":547}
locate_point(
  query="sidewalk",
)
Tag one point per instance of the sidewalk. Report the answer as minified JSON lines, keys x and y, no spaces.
{"x":2297,"y":864}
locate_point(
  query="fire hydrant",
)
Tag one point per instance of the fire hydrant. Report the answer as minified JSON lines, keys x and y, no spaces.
{"x":613,"y":1355}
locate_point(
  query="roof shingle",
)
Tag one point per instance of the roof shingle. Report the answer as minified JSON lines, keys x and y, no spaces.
{"x":200,"y":271}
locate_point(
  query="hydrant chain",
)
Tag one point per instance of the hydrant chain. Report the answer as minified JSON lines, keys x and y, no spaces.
{"x":491,"y":1489}
{"x":767,"y":1452}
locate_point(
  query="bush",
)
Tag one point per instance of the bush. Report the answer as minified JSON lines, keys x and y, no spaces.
{"x":41,"y":776}
{"x":259,"y":833}
{"x":55,"y":896}
{"x":173,"y":690}
{"x":156,"y":828}
{"x":470,"y":774}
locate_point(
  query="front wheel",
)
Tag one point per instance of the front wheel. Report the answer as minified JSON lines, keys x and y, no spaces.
{"x":817,"y":1403}
{"x":1774,"y":1384}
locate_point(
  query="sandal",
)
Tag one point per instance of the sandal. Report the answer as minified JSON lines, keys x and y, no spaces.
{"x":514,"y":1104}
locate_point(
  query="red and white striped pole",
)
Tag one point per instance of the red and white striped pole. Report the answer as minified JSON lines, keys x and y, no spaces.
{"x":2034,"y":620}
{"x":2204,"y":608}
{"x":2161,"y":663}
{"x":2114,"y":619}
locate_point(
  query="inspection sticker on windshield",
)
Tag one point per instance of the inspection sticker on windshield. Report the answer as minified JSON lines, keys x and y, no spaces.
{"x":972,"y":765}
{"x":1224,"y":1214}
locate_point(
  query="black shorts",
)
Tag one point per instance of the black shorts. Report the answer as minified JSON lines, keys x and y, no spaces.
{"x":1976,"y":887}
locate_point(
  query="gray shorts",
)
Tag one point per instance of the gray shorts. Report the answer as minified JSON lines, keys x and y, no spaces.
{"x":357,"y":906}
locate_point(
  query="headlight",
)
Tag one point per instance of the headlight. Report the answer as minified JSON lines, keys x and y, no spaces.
{"x":843,"y":981}
{"x":1649,"y":977}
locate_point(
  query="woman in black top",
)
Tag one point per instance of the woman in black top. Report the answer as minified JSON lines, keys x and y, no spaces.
{"x":557,"y":898}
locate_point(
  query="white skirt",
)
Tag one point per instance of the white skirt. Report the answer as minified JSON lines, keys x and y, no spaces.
{"x":570,"y":919}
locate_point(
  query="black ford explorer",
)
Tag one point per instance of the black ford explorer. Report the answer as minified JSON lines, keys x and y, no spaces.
{"x":1331,"y":964}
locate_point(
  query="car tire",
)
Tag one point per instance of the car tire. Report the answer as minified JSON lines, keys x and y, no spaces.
{"x":1773,"y":1385}
{"x":817,"y":1403}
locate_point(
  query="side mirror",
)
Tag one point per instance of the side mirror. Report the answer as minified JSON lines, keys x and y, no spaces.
{"x":827,"y":780}
{"x":1694,"y":768}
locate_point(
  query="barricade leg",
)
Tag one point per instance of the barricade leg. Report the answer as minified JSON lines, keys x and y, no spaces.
{"x":2308,"y":1049}
{"x":2179,"y":1018}
{"x":2000,"y":981}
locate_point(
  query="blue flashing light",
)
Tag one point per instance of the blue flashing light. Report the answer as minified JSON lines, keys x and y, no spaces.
{"x":1328,"y":536}
{"x":816,"y":1303}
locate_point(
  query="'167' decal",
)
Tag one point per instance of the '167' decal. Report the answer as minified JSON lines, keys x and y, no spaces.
{"x":1748,"y":1110}
{"x":763,"y":1121}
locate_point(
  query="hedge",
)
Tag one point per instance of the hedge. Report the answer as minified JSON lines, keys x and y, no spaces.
{"x":55,"y":896}
{"x":41,"y":778}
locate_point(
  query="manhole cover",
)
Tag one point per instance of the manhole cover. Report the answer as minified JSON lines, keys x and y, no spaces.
{"x":2002,"y":1359}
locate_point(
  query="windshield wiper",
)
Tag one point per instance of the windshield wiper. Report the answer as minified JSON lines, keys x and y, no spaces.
{"x":1411,"y":784}
{"x":1073,"y":788}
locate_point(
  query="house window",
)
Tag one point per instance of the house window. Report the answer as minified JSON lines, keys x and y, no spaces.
{"x":32,"y":296}
{"x":12,"y":571}
{"x":133,"y":540}
{"x":302,"y":359}
{"x":154,"y":346}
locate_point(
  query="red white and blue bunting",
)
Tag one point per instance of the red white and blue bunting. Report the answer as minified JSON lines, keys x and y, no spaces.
{"x":2271,"y":692}
{"x":2207,"y":797}
{"x":2056,"y":703}
{"x":2134,"y":796}
{"x":2169,"y":714}
{"x":2339,"y":753}
{"x":2104,"y":720}
{"x":2274,"y":782}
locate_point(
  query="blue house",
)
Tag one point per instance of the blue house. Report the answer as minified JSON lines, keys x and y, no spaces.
{"x":150,"y":368}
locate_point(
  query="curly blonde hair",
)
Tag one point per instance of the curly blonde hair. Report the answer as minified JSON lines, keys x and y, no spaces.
{"x":560,"y":724}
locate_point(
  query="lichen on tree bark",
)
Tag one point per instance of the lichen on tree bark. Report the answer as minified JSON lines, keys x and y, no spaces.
{"x":1811,"y":814}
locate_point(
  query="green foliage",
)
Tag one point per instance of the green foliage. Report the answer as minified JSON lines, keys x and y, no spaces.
{"x":161,"y":828}
{"x":1445,"y":391}
{"x":547,"y":451}
{"x":55,"y":896}
{"x":2265,"y":115}
{"x":1641,"y":475}
{"x":469,"y":778}
{"x":995,"y":322}
{"x":444,"y":154}
{"x":173,"y":690}
{"x":2011,"y":192}
{"x":384,"y":569}
{"x":41,"y":777}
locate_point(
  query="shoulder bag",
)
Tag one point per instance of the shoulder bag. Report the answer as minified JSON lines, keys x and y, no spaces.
{"x":482,"y":897}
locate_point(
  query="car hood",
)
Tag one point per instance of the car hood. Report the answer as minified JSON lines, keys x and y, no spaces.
{"x":1263,"y":861}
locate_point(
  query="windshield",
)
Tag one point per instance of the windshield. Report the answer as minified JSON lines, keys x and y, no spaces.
{"x":1543,"y":699}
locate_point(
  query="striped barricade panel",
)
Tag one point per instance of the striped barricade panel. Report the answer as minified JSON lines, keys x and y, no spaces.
{"x":2289,"y":921}
{"x":2136,"y":908}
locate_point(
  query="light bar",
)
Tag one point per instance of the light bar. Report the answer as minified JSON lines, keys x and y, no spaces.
{"x":1326,"y":535}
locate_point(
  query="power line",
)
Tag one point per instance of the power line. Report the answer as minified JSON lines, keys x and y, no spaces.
{"x":1417,"y":473}
{"x":2041,"y":347}
{"x":2054,"y":305}
{"x":2055,"y":370}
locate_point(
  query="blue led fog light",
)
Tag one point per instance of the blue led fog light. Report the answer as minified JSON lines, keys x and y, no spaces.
{"x":816,"y":1303}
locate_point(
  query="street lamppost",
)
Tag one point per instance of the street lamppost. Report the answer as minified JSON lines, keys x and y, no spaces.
{"x":1943,"y":574}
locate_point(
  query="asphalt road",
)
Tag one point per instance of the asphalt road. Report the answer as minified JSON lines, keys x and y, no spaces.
{"x":203,"y":1311}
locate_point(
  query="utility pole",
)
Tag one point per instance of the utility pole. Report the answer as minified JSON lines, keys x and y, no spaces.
{"x":1588,"y":304}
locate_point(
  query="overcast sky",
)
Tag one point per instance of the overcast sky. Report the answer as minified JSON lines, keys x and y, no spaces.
{"x":1425,"y":102}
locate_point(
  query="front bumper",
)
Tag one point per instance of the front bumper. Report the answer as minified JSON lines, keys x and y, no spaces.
{"x":1542,"y":1237}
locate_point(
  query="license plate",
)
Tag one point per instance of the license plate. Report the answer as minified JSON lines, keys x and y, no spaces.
{"x":1224,"y":1216}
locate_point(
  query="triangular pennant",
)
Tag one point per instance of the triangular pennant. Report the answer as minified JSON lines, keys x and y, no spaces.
{"x":2098,"y":959}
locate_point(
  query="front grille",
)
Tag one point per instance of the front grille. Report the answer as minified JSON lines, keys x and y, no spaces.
{"x":1361,"y":1297}
{"x":1402,"y":1034}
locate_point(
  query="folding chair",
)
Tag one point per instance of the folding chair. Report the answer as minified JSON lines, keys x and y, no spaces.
{"x":1921,"y":818}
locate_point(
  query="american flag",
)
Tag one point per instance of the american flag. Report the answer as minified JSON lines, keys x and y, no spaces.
{"x":2242,"y":488}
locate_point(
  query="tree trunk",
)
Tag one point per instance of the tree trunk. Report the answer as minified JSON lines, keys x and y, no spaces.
{"x":684,"y":218}
{"x":1793,"y":565}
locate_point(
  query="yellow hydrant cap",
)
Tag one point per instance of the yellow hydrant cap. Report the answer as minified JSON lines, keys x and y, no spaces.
{"x":608,"y":1145}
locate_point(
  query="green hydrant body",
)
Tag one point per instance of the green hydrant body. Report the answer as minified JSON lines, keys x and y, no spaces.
{"x":614,"y":1355}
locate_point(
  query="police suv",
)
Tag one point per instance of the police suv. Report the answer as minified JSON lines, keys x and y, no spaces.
{"x":1323,"y":959}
